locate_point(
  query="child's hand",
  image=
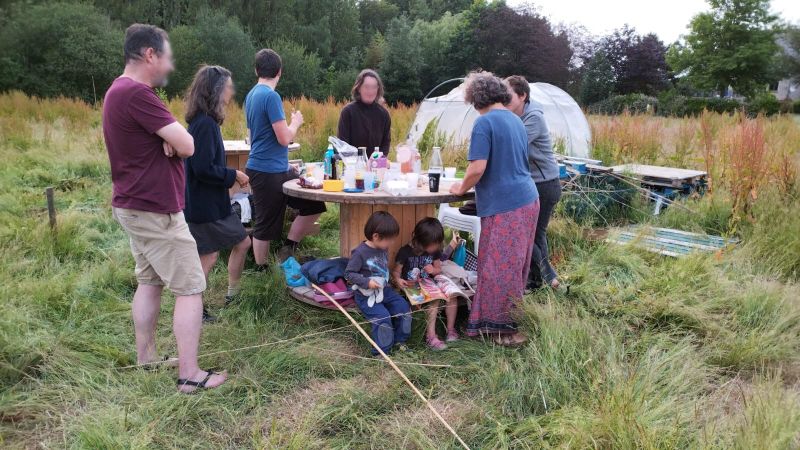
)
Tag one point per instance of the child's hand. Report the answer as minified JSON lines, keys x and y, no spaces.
{"x":456,"y":240}
{"x":430,"y":269}
{"x":401,"y":282}
{"x":373,"y":284}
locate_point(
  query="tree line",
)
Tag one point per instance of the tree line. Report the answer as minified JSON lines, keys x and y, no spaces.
{"x":75,"y":48}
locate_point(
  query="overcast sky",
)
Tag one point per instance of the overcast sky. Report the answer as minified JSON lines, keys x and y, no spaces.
{"x":668,"y":19}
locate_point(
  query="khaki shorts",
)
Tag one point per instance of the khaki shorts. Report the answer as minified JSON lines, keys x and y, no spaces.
{"x":164,"y":250}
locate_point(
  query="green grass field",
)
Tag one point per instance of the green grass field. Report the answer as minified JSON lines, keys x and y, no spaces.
{"x":643,"y":352}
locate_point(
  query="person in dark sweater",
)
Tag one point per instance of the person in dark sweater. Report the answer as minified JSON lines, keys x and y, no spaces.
{"x":544,"y":170}
{"x":368,"y":272}
{"x":208,"y":209}
{"x":364,"y":122}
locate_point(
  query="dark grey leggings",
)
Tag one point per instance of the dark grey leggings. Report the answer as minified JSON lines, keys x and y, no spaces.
{"x":549,"y":194}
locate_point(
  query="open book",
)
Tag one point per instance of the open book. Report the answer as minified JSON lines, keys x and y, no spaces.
{"x":428,"y":290}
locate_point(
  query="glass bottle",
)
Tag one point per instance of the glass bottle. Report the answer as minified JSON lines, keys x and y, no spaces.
{"x":435,"y":164}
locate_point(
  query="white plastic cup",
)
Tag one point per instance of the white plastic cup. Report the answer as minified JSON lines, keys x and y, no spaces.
{"x":369,"y":181}
{"x":413,"y":180}
{"x":449,"y":172}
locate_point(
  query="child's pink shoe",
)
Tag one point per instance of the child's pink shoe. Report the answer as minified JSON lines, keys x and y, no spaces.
{"x":435,"y":344}
{"x":452,"y":336}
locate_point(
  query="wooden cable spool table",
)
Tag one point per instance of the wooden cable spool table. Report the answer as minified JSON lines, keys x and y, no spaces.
{"x":355,"y":209}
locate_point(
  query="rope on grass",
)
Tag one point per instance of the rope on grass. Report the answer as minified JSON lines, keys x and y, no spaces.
{"x":268,"y":344}
{"x":394,"y":366}
{"x":350,"y":355}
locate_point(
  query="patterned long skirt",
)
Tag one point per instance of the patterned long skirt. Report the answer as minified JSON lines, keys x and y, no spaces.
{"x":503,"y":262}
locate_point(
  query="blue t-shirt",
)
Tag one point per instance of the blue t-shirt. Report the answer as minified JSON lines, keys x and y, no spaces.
{"x":499,"y":137}
{"x":262,"y":108}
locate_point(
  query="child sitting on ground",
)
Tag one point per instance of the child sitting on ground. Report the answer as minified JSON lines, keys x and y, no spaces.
{"x":368,"y":271}
{"x":422,"y":258}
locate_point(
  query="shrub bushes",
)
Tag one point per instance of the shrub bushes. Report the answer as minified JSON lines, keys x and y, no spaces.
{"x":617,"y":104}
{"x":671,"y":103}
{"x":696,"y":105}
{"x":59,"y":49}
{"x":764,"y":103}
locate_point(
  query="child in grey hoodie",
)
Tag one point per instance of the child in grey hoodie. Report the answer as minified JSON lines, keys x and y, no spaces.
{"x":368,"y":271}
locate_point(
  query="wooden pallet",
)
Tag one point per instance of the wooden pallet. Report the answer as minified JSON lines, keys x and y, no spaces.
{"x":667,"y":241}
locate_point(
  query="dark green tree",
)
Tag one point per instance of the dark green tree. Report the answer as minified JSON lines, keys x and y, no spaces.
{"x":213,"y":39}
{"x":463,"y":46}
{"x":598,"y":81}
{"x":375,"y":16}
{"x":337,"y":83}
{"x":301,"y":70}
{"x":59,"y":49}
{"x":435,"y":63}
{"x":373,"y":57}
{"x":734,"y":45}
{"x":164,"y":14}
{"x":400,"y":67}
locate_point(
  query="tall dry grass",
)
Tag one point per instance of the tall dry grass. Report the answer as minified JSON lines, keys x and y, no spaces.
{"x":321,"y":119}
{"x":738,"y":152}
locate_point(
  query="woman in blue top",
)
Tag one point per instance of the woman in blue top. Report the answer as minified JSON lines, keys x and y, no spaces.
{"x":507,"y":203}
{"x":208,"y":210}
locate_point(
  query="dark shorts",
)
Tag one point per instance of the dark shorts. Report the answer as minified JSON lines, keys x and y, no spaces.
{"x":269,"y":203}
{"x":214,"y":236}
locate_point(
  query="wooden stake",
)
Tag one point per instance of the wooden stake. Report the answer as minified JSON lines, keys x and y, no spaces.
{"x":394,"y":366}
{"x":51,"y":206}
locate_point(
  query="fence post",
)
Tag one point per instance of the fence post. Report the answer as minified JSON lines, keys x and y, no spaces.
{"x":51,"y":206}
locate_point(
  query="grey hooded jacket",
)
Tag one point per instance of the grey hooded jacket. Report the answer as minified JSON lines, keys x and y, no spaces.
{"x":541,"y":158}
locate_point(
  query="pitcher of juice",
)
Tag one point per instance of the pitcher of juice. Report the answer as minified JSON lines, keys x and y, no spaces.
{"x":405,"y":157}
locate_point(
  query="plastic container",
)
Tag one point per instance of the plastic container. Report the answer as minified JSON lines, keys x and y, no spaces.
{"x":369,"y":181}
{"x":333,"y":185}
{"x":329,"y":162}
{"x":405,"y":158}
{"x":562,"y":171}
{"x":413,"y":180}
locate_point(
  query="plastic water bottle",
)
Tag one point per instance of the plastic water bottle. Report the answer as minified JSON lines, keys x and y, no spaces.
{"x":329,"y":163}
{"x":435,"y":164}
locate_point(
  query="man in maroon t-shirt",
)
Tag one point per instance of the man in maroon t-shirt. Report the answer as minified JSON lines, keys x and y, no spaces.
{"x":146,"y":147}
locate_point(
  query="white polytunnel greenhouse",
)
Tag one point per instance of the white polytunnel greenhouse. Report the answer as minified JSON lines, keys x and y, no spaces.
{"x":565,"y":119}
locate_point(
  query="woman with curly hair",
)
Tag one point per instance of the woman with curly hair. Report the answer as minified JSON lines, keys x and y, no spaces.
{"x":507,"y":203}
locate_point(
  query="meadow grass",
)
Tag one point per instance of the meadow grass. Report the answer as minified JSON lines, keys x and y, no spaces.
{"x":643,"y":351}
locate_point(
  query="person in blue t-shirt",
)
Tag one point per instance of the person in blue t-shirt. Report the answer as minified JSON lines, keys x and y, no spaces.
{"x":508,"y":205}
{"x":268,"y":163}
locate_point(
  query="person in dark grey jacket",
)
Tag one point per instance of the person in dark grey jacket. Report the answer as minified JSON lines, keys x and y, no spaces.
{"x":544,"y":170}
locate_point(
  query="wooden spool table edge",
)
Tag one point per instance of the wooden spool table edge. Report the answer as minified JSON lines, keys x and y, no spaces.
{"x":422,"y":197}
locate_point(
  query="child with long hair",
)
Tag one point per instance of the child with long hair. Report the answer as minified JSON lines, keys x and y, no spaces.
{"x":422,"y":258}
